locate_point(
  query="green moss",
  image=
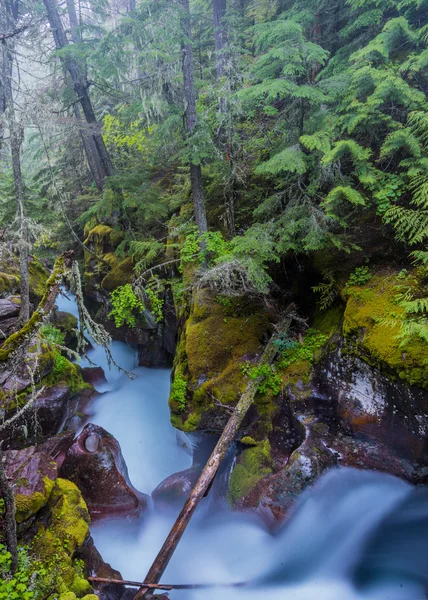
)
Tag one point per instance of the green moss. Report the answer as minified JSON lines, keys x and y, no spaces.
{"x":38,"y":277}
{"x":111,"y":259}
{"x":56,"y":543}
{"x":80,"y":586}
{"x":28,"y":505}
{"x":8,"y":283}
{"x":100,"y":232}
{"x":66,"y":322}
{"x":295,"y":364}
{"x":368,"y":308}
{"x":329,"y":322}
{"x":213,"y":344}
{"x":119,"y":275}
{"x":248,"y":441}
{"x":64,"y":371}
{"x":177,"y":398}
{"x":116,"y":237}
{"x":252,"y":465}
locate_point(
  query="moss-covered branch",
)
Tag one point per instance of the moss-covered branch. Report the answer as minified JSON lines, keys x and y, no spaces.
{"x":24,"y":335}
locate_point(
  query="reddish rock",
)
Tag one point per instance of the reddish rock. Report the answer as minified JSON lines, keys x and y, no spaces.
{"x":8,"y":326}
{"x":45,"y":418}
{"x":57,"y":446}
{"x":32,"y":474}
{"x":96,"y":465}
{"x":52,"y":408}
{"x":93,"y":375}
{"x":177,"y":487}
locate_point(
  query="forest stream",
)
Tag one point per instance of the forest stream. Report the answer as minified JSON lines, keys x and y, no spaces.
{"x":354,"y":535}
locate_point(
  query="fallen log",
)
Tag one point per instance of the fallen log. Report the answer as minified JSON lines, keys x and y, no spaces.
{"x":162,"y":559}
{"x":166,"y":587}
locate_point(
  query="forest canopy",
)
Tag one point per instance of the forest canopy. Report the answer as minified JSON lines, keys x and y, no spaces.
{"x":234,"y":133}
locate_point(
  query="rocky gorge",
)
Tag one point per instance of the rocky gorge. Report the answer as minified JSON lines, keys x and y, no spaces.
{"x":343,"y":391}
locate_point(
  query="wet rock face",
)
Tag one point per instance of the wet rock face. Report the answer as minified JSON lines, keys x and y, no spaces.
{"x":46,"y":417}
{"x":96,"y":465}
{"x":93,"y":375}
{"x":352,"y":415}
{"x":177,"y":487}
{"x":360,"y":401}
{"x":159,"y":349}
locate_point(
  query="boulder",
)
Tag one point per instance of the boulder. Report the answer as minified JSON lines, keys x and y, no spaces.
{"x":32,"y":473}
{"x":176,"y":488}
{"x":9,"y":307}
{"x":93,"y":375}
{"x":95,"y":463}
{"x":67,"y":324}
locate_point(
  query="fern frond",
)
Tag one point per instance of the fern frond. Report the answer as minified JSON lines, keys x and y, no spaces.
{"x":291,"y":160}
{"x":397,"y":140}
{"x":342,"y":148}
{"x":145,"y":252}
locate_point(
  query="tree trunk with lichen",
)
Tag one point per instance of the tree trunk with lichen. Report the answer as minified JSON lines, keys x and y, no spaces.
{"x":97,"y":154}
{"x":16,"y":136}
{"x":191,"y":117}
{"x":162,"y":559}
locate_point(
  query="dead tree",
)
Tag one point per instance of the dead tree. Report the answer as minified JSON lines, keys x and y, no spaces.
{"x":162,"y":559}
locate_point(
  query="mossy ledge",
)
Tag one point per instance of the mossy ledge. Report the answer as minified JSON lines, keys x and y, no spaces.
{"x":214,"y":341}
{"x":373,"y":322}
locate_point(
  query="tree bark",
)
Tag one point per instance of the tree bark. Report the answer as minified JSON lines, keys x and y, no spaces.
{"x":9,"y":523}
{"x":80,"y":86}
{"x":16,"y":138}
{"x":220,"y":36}
{"x":162,"y":559}
{"x":191,"y":116}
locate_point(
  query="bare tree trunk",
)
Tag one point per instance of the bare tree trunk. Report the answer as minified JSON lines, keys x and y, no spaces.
{"x":74,"y":23}
{"x":162,"y":559}
{"x":80,"y":86}
{"x":191,"y":117}
{"x":16,"y":137}
{"x":220,"y":36}
{"x":89,"y":147}
{"x":9,"y":523}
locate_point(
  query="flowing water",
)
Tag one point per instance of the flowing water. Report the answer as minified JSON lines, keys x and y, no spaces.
{"x":356,"y":535}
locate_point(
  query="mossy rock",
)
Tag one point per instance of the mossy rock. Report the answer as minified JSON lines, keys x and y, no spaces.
{"x":212,"y":347}
{"x":372,"y":321}
{"x":38,"y":276}
{"x":56,"y":543}
{"x":119,"y":275}
{"x":253,"y":464}
{"x":29,"y":505}
{"x":9,"y":284}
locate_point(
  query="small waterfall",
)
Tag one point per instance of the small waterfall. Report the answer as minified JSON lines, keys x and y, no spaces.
{"x":355,"y":535}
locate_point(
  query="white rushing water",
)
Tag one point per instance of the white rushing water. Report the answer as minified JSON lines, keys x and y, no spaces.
{"x":355,"y":536}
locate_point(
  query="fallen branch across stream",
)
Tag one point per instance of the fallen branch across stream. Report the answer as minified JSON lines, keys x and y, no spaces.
{"x":161,"y":561}
{"x":166,"y":587}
